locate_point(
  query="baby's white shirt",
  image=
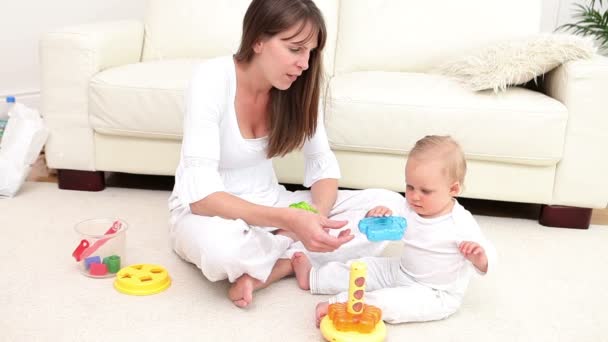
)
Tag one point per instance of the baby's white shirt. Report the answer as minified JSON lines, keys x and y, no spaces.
{"x":431,"y":254}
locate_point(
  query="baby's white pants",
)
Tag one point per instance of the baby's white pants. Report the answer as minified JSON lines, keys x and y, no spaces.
{"x":400,"y":297}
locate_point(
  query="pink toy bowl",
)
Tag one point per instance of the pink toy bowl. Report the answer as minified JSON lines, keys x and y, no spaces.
{"x":100,"y":246}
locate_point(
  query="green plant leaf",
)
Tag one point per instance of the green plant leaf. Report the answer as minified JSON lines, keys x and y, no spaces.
{"x":589,"y":21}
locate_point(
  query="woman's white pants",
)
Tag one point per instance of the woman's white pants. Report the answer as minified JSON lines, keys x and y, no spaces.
{"x":224,"y":248}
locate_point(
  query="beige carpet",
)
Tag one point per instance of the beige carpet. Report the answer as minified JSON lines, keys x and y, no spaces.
{"x":550,"y":284}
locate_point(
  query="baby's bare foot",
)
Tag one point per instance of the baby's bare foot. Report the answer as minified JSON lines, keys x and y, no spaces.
{"x":241,"y":292}
{"x":301,"y":266}
{"x":320,"y":312}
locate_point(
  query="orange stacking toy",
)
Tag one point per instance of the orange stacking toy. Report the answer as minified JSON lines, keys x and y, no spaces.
{"x":354,"y":320}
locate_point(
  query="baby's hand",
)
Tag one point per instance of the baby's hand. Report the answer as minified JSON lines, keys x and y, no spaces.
{"x":379,"y":211}
{"x":475,"y":254}
{"x":321,"y":311}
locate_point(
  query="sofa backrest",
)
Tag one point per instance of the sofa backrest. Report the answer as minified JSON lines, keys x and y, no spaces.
{"x":415,"y":35}
{"x":210,"y":28}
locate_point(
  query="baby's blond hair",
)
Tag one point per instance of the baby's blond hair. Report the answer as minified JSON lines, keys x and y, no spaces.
{"x":445,"y":148}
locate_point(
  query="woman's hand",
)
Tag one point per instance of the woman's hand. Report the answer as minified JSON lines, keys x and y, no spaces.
{"x":313,"y":230}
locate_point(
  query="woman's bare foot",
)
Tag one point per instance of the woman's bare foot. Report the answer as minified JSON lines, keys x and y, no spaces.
{"x":321,"y":311}
{"x":301,"y":266}
{"x":241,"y":292}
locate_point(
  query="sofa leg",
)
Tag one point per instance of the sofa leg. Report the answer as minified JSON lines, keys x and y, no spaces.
{"x":81,"y":180}
{"x":564,"y":216}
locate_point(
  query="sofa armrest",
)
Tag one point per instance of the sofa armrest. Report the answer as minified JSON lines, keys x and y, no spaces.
{"x":69,"y":57}
{"x":581,"y":175}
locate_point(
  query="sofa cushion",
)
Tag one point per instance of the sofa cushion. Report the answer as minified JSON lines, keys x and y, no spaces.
{"x":206,"y":29}
{"x":143,"y":99}
{"x":414,"y":35}
{"x":386,"y":112}
{"x":365,"y":112}
{"x":514,"y":62}
{"x":191,"y":28}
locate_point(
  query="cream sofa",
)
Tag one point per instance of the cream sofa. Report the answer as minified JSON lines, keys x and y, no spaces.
{"x":112,"y":98}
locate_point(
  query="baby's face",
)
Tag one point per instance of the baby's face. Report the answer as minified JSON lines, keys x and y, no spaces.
{"x":429,"y":191}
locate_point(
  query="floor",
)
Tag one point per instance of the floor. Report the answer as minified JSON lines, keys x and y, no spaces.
{"x":549,"y":284}
{"x":40,"y":173}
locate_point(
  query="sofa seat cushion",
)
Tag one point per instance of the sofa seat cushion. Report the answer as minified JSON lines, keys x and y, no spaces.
{"x":141,"y":100}
{"x":387,"y":112}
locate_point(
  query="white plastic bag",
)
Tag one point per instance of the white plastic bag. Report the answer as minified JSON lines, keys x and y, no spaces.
{"x":24,"y":137}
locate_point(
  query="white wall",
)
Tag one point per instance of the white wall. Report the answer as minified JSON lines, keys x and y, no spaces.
{"x":558,"y":12}
{"x":561,"y":13}
{"x":22,"y":22}
{"x":565,"y":8}
{"x":550,"y":11}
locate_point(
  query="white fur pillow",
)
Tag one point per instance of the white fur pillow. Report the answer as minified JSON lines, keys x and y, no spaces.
{"x":516,"y":61}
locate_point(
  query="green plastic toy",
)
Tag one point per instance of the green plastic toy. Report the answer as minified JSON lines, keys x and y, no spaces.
{"x":305,"y":206}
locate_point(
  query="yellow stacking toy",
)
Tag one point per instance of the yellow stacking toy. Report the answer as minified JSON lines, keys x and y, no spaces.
{"x":354,"y":321}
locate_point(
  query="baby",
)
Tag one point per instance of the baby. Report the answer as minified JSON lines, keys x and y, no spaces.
{"x":442,"y":245}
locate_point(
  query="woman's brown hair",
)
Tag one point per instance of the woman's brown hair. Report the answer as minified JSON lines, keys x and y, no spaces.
{"x":293,"y":112}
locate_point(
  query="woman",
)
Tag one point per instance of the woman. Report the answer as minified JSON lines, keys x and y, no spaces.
{"x":229,"y":215}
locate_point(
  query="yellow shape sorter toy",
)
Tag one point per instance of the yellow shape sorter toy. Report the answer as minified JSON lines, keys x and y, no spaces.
{"x":142,"y":279}
{"x":354,"y":321}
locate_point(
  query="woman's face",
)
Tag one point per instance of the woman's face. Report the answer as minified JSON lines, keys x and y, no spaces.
{"x":284,"y":57}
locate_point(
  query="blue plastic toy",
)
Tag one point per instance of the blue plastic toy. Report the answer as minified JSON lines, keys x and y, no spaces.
{"x":383,"y":227}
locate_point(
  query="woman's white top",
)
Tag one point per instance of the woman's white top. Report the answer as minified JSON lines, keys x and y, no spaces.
{"x":215,"y":156}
